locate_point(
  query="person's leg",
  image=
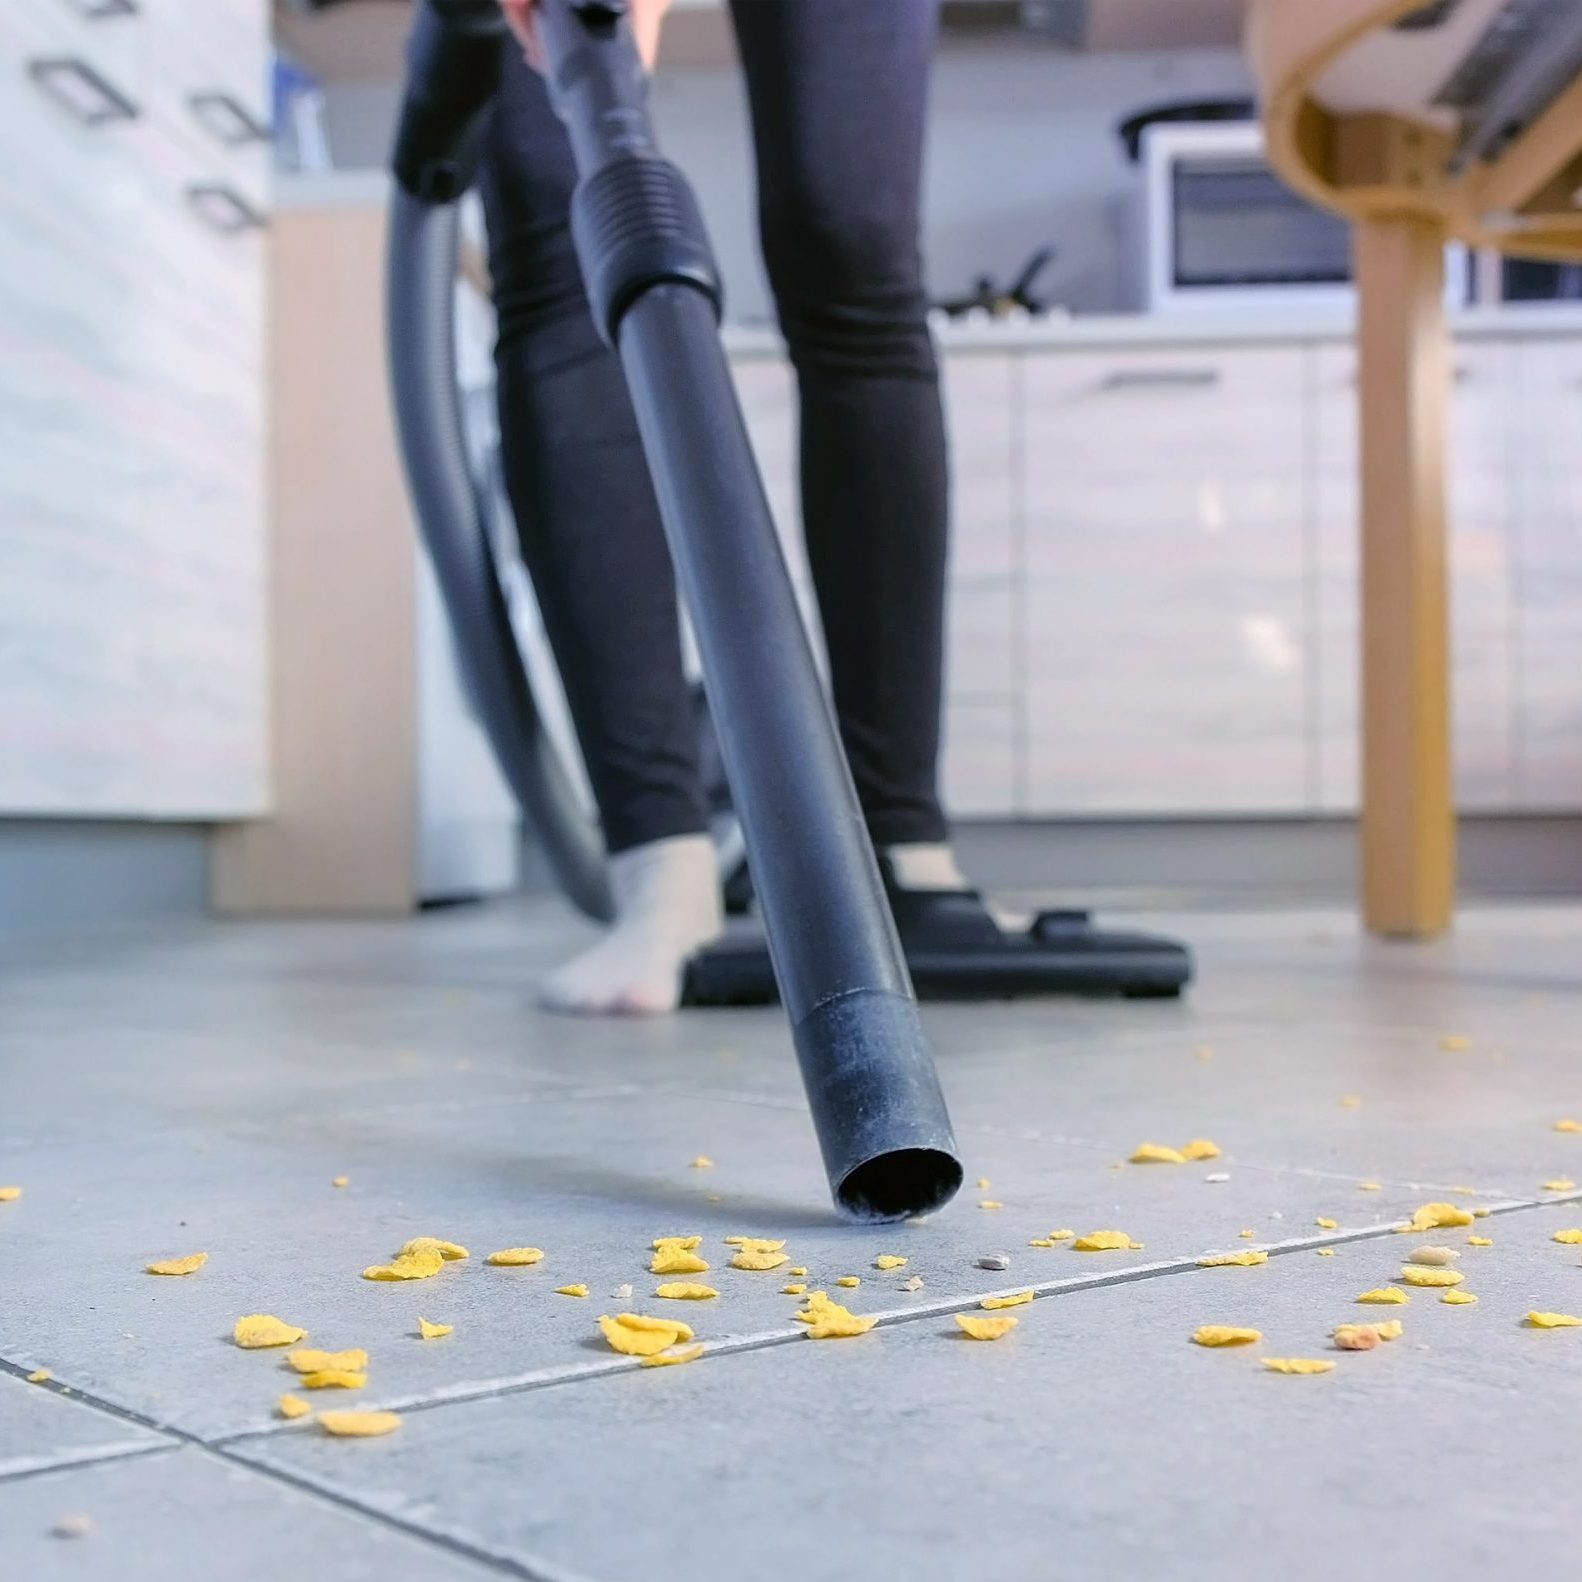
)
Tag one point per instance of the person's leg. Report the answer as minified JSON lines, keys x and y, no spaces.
{"x":591,"y":538}
{"x":838,"y":91}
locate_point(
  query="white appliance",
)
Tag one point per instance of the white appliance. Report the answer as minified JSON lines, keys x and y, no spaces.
{"x":1221,"y":231}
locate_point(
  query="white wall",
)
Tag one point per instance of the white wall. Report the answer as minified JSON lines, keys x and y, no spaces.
{"x":1022,"y":151}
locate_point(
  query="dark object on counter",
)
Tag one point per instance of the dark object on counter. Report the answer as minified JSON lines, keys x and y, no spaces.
{"x":1001,"y":301}
{"x":1132,"y":128}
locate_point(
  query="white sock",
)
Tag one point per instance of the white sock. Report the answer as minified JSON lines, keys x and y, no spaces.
{"x":667,"y":904}
{"x":926,"y":867}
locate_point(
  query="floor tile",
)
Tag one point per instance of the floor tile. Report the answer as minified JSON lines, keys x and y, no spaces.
{"x":40,"y":1427}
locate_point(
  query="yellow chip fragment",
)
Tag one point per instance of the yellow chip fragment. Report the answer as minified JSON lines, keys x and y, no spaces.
{"x":334,"y":1379}
{"x":983,"y":1183}
{"x":990,"y":1202}
{"x":1431,"y":1216}
{"x":258,"y":1330}
{"x":187,"y":1265}
{"x":1568,"y":1126}
{"x":758,"y":1258}
{"x":308,"y":1360}
{"x":1061,"y":1235}
{"x":1385,"y":1296}
{"x":1370,"y":1186}
{"x":1015,"y":1299}
{"x":9,"y":1194}
{"x":1204,"y":1051}
{"x":1040,"y":1241}
{"x":1246,"y":1235}
{"x":40,"y":1376}
{"x":571,"y":1290}
{"x":797,"y":1273}
{"x":292,"y":1406}
{"x":428,"y":1331}
{"x":1552,"y":1321}
{"x":1298,"y":1364}
{"x":1156,"y":1154}
{"x":634,"y":1335}
{"x":796,"y":1288}
{"x":1479,"y":1241}
{"x":1324,"y":1223}
{"x":1227,"y":1260}
{"x":515,"y":1257}
{"x":755,"y":1243}
{"x":685,"y":1291}
{"x":1417,"y":1274}
{"x":408,"y":1266}
{"x":1201,"y":1148}
{"x":850,"y":1281}
{"x":1362,"y":1337}
{"x":889,"y":1260}
{"x":359,"y":1425}
{"x":1350,"y":1101}
{"x":1106,"y":1241}
{"x":1454,"y":1042}
{"x":1559,"y":1184}
{"x":702,"y":1162}
{"x":985,"y":1328}
{"x":1457,"y":1298}
{"x":335,"y":1181}
{"x":677,"y":1260}
{"x":1224,"y":1335}
{"x":670,"y":1359}
{"x":1571,"y":1238}
{"x":1325,"y":1252}
{"x":828,"y":1320}
{"x":448,"y":1250}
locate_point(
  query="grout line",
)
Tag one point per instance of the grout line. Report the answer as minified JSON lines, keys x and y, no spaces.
{"x":94,"y":1457}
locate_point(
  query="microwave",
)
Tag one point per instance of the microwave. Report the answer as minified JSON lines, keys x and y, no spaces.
{"x":1221,"y":230}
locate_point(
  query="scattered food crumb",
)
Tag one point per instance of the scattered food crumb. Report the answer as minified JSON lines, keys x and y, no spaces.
{"x":1435,"y":1257}
{"x":702,"y":1162}
{"x":1552,"y":1321}
{"x":1325,"y":1252}
{"x":671,"y":1359}
{"x":1218,"y":1176}
{"x":581,"y":1290}
{"x":685,"y":1291}
{"x":1298,"y":1364}
{"x":1570,"y":1238}
{"x":990,"y":1202}
{"x":1370,"y":1186}
{"x":798,"y":1273}
{"x":1106,"y":1241}
{"x":334,"y":1379}
{"x":1156,"y":1154}
{"x":634,"y":1335}
{"x":1457,"y":1298}
{"x":1414,"y":1274}
{"x":1559,"y":1184}
{"x":340,"y":1181}
{"x":850,"y":1281}
{"x":1324,"y":1223}
{"x":758,"y":1257}
{"x":1363,"y":1337}
{"x":1015,"y":1299}
{"x":1061,"y":1235}
{"x":827,"y":1320}
{"x":889,"y":1260}
{"x":450,"y":1251}
{"x":309,"y":1360}
{"x":1247,"y":1235}
{"x":915,"y":1283}
{"x":1433,"y":1216}
{"x":428,"y":1331}
{"x":1479,"y":1241}
{"x":1350,"y":1101}
{"x":622,"y":1293}
{"x":1228,"y":1260}
{"x":420,"y":1265}
{"x":9,"y":1194}
{"x":714,"y":1197}
{"x":1385,"y":1296}
{"x":1455,"y":1042}
{"x":983,"y":1183}
{"x":40,"y":1376}
{"x":292,"y":1406}
{"x":359,"y":1425}
{"x":1204,"y":1052}
{"x":985,"y":1328}
{"x":1568,"y":1126}
{"x":796,"y":1288}
{"x":994,"y":1260}
{"x":187,"y":1265}
{"x":1225,"y":1335}
{"x":258,"y":1330}
{"x":74,"y":1525}
{"x":675,"y":1255}
{"x":1201,"y":1148}
{"x":515,"y":1257}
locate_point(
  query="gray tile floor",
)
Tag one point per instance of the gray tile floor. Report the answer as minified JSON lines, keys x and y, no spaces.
{"x":189,"y":1091}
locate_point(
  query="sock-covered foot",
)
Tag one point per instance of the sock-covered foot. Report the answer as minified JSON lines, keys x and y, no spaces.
{"x":667,"y":904}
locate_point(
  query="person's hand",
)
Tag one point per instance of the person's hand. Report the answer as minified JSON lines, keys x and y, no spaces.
{"x":647,"y":18}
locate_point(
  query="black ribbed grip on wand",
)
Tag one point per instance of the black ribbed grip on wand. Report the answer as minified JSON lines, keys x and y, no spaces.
{"x":636,"y":225}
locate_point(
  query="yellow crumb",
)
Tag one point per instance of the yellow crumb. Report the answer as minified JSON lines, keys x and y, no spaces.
{"x":1040,"y":1241}
{"x":1227,"y":1260}
{"x":1350,"y":1101}
{"x":263,"y":1329}
{"x":335,"y":1181}
{"x":420,"y":1265}
{"x":1385,"y":1296}
{"x":1246,"y":1235}
{"x":1432,"y":1216}
{"x":1568,"y":1126}
{"x":1015,"y":1299}
{"x":985,"y":1328}
{"x":1204,"y":1052}
{"x":1388,"y":1329}
{"x":828,"y":1320}
{"x":571,"y":1290}
{"x":850,"y":1281}
{"x":1327,"y":1224}
{"x":671,"y":1359}
{"x":40,"y":1376}
{"x":758,"y":1258}
{"x":1559,"y":1184}
{"x":1454,"y":1042}
{"x":1414,"y":1274}
{"x":9,"y":1194}
{"x":1570,"y":1238}
{"x":187,"y":1265}
{"x":1298,"y":1364}
{"x":515,"y":1257}
{"x":636,"y":1336}
{"x":1156,"y":1154}
{"x":292,"y":1406}
{"x":359,"y":1425}
{"x":685,"y":1291}
{"x":796,"y":1288}
{"x":428,"y":1331}
{"x":309,"y":1360}
{"x":1370,"y":1186}
{"x":983,"y":1183}
{"x":889,"y":1260}
{"x":1457,"y":1298}
{"x":702,"y":1162}
{"x":1225,"y":1335}
{"x":1325,"y":1252}
{"x":1061,"y":1235}
{"x":677,"y":1259}
{"x":1106,"y":1241}
{"x":990,"y":1202}
{"x":334,"y":1379}
{"x":1552,"y":1321}
{"x":450,"y":1251}
{"x":797,"y":1273}
{"x":1201,"y":1148}
{"x":758,"y":1243}
{"x":1479,"y":1241}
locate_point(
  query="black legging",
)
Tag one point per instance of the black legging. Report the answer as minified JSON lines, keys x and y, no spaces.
{"x":838,"y":91}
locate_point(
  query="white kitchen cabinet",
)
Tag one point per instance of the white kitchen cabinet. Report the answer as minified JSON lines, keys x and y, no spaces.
{"x":1166,"y":648}
{"x":1482,"y":530}
{"x":132,"y":582}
